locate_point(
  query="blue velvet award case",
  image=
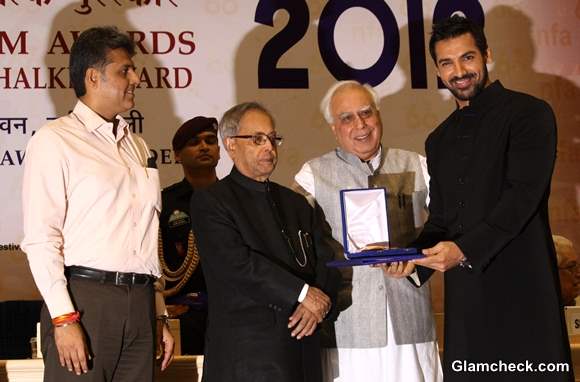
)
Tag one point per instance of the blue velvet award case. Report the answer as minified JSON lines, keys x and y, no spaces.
{"x":365,"y":230}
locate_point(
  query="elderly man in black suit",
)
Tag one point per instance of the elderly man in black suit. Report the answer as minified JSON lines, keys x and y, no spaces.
{"x":263,"y":250}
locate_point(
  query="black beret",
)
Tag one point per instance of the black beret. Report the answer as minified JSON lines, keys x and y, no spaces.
{"x":191,"y":128}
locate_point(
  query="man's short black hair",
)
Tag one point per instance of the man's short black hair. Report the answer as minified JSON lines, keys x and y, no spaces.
{"x":456,"y":26}
{"x":90,"y":51}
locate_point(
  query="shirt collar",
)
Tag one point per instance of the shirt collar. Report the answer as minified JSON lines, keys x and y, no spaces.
{"x":92,"y":121}
{"x":376,"y":160}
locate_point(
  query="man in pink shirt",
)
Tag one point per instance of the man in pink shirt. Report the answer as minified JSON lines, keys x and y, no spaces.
{"x":91,"y":203}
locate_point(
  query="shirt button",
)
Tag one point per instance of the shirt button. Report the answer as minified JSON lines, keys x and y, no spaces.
{"x":461,"y":180}
{"x":460,"y":227}
{"x":461,"y":204}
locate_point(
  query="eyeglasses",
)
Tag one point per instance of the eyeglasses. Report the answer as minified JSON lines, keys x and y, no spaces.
{"x":209,"y":140}
{"x":348,"y":118}
{"x":261,"y":138}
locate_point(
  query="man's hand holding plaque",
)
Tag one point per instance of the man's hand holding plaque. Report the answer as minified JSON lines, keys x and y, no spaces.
{"x":397,"y":269}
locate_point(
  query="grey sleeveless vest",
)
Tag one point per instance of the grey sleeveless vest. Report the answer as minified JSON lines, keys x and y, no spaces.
{"x":363,"y":299}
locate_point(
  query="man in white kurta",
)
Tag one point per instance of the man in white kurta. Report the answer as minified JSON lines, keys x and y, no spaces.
{"x":385,"y":330}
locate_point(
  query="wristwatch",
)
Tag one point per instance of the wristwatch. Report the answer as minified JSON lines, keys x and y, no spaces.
{"x":164,"y":318}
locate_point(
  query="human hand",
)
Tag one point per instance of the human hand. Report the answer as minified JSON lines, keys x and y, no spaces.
{"x":443,"y":256}
{"x":165,"y":344}
{"x":71,"y":344}
{"x":397,"y":269}
{"x":302,"y":322}
{"x":317,"y":302}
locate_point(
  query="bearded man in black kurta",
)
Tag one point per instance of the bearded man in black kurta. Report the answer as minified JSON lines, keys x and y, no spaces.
{"x":263,"y":251}
{"x":491,"y":164}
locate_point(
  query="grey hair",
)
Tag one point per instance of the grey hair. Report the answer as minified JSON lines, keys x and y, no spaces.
{"x":327,"y":99}
{"x":230,"y":122}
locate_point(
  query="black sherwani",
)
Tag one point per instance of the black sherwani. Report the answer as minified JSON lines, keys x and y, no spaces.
{"x":254,"y":279}
{"x":490,"y":165}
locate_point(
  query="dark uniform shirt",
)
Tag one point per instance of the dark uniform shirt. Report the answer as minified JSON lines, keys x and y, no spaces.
{"x":175,"y":225}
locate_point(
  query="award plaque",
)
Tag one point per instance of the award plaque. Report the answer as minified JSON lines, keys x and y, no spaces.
{"x":365,"y":230}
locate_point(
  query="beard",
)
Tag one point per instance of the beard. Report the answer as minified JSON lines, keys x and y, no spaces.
{"x":471,"y":92}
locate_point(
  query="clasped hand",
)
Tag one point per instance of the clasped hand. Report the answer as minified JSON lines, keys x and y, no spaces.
{"x":309,"y":313}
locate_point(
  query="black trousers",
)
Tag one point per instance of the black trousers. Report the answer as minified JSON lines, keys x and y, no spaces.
{"x":119,"y":324}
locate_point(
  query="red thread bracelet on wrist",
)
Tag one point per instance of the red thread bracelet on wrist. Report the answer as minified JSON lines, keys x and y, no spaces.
{"x":66,"y":319}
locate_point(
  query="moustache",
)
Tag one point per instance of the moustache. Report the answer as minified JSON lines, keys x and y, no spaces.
{"x":465,"y":77}
{"x":268,"y":158}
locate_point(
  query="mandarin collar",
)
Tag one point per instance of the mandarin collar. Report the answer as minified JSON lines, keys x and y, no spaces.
{"x":376,"y":161}
{"x":486,"y":98}
{"x":246,"y":182}
{"x":93,"y":121}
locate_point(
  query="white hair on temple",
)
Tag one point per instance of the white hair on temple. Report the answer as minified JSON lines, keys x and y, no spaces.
{"x":325,"y":103}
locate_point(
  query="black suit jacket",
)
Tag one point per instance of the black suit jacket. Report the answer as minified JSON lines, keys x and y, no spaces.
{"x":254,"y":278}
{"x":490,"y":165}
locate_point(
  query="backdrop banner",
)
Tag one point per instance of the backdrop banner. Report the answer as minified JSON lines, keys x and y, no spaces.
{"x":201,"y":57}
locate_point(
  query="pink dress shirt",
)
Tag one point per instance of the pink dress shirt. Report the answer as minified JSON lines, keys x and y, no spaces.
{"x":88,"y":200}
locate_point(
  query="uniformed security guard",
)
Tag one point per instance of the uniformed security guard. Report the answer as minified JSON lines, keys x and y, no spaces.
{"x":196,"y":146}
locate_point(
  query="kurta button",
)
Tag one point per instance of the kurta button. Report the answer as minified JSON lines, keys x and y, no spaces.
{"x":461,"y":204}
{"x":460,"y":227}
{"x":461,"y":180}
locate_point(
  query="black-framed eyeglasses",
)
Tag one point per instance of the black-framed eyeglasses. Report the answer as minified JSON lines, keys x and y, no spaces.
{"x":261,"y":138}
